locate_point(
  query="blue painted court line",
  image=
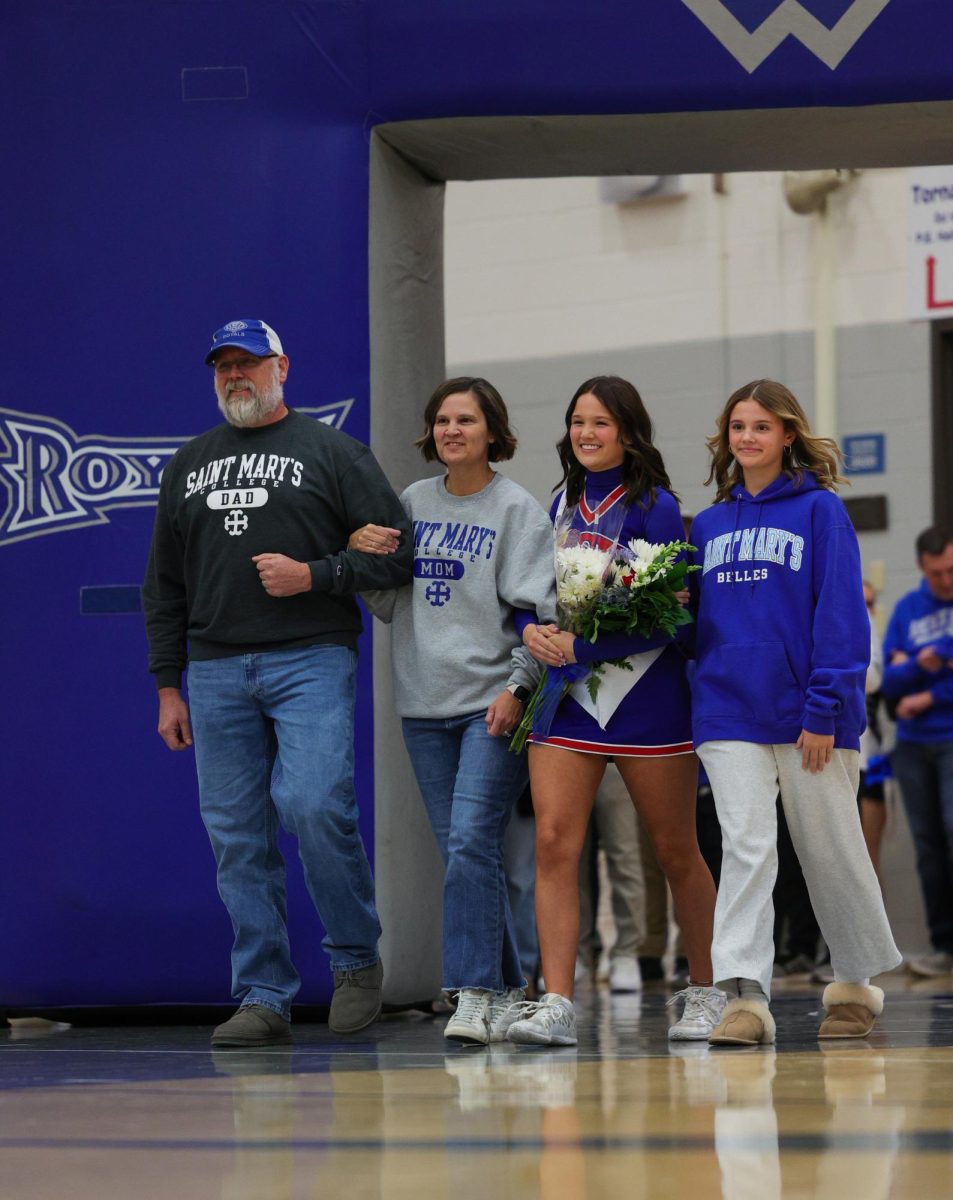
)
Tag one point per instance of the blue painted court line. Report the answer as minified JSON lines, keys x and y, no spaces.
{"x":933,"y":1141}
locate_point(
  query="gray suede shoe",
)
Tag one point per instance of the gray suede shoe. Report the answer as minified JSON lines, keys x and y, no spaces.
{"x":357,"y":998}
{"x":252,"y":1025}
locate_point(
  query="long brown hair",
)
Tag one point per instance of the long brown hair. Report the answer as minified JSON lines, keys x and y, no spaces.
{"x":642,"y":467}
{"x":819,"y":455}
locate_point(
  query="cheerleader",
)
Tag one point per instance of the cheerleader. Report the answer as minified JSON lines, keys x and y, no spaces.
{"x":616,"y":489}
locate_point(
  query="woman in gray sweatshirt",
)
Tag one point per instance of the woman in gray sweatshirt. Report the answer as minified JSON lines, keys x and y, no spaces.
{"x":483,"y":568}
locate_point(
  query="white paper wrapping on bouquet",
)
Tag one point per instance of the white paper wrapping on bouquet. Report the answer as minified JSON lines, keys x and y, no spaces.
{"x":615,"y":686}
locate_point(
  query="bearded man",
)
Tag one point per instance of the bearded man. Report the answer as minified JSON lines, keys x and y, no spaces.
{"x":251,"y":586}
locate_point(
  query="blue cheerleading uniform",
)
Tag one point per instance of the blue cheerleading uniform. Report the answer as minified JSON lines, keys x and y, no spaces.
{"x":654,"y":718}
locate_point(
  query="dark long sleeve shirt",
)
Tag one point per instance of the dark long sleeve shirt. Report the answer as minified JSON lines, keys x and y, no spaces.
{"x":297,"y":487}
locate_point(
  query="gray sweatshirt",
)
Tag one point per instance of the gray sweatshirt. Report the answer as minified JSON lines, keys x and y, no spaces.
{"x":454,"y":644}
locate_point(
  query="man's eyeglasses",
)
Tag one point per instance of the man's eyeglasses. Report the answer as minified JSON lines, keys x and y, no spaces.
{"x":222,"y":366}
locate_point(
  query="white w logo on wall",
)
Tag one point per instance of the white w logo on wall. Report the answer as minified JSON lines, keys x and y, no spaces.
{"x":57,"y":480}
{"x":790,"y":17}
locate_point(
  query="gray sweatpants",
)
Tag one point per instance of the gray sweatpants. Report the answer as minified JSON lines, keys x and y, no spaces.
{"x":821,"y":812}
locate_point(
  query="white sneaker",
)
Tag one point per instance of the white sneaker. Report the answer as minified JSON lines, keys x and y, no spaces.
{"x":702,"y":1012}
{"x":503,"y":1011}
{"x":508,"y":1076}
{"x":550,"y":1021}
{"x":472,"y":1073}
{"x":624,"y":975}
{"x":469,"y":1022}
{"x":938,"y":962}
{"x":528,"y":1080}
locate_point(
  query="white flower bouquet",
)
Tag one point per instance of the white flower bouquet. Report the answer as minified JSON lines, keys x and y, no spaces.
{"x":629,"y":589}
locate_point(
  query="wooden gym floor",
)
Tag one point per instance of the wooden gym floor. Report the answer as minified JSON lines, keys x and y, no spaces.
{"x":399,"y":1112}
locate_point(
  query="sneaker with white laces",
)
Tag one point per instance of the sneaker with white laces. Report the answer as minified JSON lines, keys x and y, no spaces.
{"x":624,"y":974}
{"x":469,"y":1022}
{"x":549,"y":1021}
{"x":701,"y":1014}
{"x":503,"y":1011}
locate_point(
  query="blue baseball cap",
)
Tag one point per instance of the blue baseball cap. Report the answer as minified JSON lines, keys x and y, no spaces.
{"x":254,"y":336}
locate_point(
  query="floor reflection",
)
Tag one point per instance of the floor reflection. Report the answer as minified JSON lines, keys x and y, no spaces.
{"x":156,"y":1114}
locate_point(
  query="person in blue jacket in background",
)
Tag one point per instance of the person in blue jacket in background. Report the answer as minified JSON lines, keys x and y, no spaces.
{"x":783,"y":643}
{"x":918,"y":652}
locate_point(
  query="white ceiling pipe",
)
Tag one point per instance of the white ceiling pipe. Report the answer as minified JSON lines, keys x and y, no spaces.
{"x":806,"y":192}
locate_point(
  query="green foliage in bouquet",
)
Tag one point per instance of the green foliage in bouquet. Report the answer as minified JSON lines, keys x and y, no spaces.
{"x":637,"y":597}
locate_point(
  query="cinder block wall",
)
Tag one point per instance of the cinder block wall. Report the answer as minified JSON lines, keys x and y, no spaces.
{"x":689,"y":298}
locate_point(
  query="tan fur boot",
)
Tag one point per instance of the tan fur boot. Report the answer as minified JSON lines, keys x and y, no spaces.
{"x":744,"y":1023}
{"x":851,"y":1009}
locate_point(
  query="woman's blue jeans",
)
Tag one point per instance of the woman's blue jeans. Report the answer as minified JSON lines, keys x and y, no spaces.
{"x":274,"y":742}
{"x":469,"y":782}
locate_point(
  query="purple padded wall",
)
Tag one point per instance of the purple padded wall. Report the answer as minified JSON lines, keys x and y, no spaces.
{"x":169,"y":165}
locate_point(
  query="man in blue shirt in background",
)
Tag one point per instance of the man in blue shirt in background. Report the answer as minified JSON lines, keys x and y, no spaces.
{"x":918,"y":675}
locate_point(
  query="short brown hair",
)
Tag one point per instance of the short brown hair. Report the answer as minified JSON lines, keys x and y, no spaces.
{"x":491,"y":405}
{"x":933,"y":541}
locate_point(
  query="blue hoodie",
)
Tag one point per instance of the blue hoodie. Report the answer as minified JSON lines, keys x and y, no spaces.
{"x":919,"y":620}
{"x":783,"y":637}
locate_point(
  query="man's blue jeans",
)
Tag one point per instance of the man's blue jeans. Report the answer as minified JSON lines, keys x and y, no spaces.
{"x":274,"y":742}
{"x":469,"y":782}
{"x":924,"y":771}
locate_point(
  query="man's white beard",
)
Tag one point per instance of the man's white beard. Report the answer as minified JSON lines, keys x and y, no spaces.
{"x":246,"y":406}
